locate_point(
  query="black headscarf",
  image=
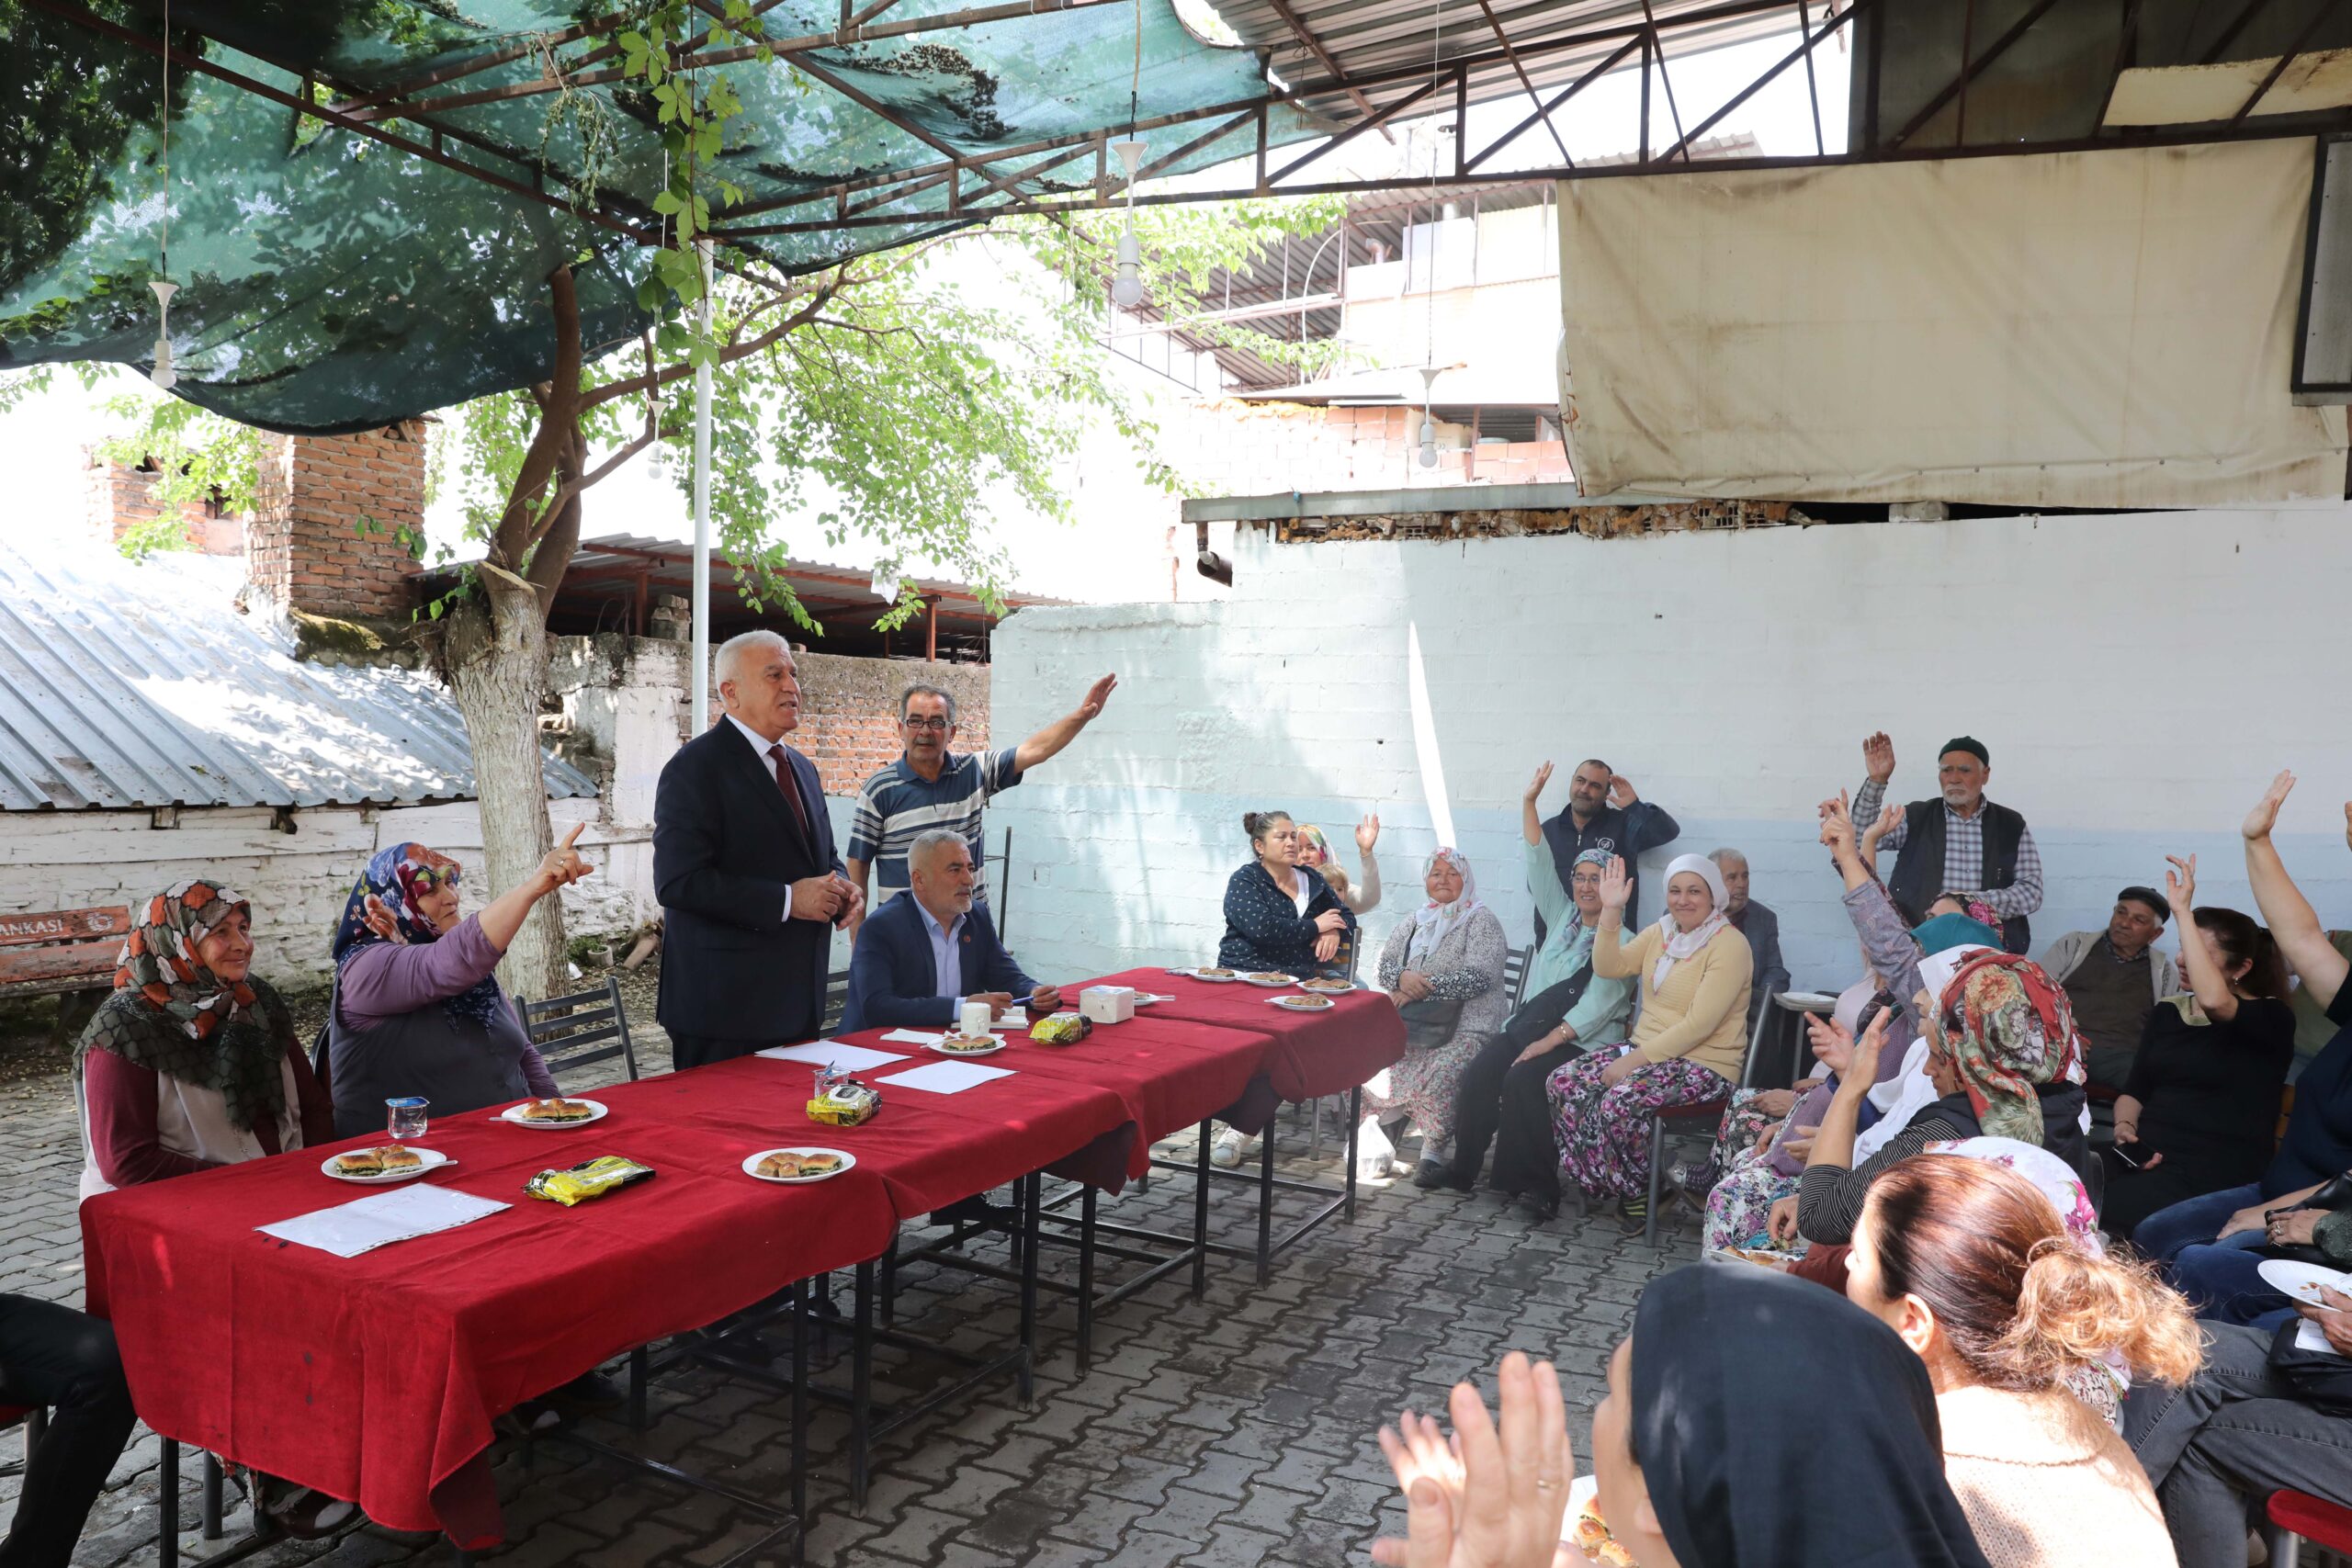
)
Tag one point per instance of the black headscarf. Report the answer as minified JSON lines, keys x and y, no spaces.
{"x":1717,"y":1346}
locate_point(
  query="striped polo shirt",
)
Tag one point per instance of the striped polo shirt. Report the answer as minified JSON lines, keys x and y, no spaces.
{"x":897,"y":804}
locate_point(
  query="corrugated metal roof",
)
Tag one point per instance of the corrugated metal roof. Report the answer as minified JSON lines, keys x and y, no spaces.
{"x":1366,"y":37}
{"x":126,"y":685}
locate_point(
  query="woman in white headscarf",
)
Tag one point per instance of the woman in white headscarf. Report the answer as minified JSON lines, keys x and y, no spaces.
{"x":1443,"y":968}
{"x":1688,"y":1045}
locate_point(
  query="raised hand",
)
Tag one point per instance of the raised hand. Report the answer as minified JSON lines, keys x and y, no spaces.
{"x":1368,"y":832}
{"x":1888,"y":817}
{"x":1506,"y":1508}
{"x":1867,"y":1051}
{"x":379,"y":919}
{"x":1543,"y":776}
{"x":1620,"y":791}
{"x":2180,"y":885}
{"x":1096,"y":695}
{"x":2265,"y":815}
{"x":1616,"y":885}
{"x":1833,"y":1043}
{"x":1878,"y":757}
{"x":563,"y":865}
{"x":1837,"y":825}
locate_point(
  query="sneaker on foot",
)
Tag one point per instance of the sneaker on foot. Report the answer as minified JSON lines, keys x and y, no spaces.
{"x":1231,"y":1148}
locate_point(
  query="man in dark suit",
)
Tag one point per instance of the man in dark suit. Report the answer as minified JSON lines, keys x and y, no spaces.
{"x":920,"y":958}
{"x":744,"y":865}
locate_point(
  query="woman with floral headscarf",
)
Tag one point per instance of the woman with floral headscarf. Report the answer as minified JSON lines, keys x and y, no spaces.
{"x":1695,"y":971}
{"x":2004,"y":1056}
{"x":417,"y":1009}
{"x":1452,"y":950}
{"x":192,"y":1062}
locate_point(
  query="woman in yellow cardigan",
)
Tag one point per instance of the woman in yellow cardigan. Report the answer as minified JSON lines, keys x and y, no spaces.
{"x":1688,"y":1043}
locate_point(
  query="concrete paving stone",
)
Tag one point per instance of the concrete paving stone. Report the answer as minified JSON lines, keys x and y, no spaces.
{"x":1231,"y":1545}
{"x":915,"y":1538}
{"x":1101,"y":1522}
{"x":1011,"y":1526}
{"x":1022,"y":1454}
{"x":1186,"y":1512}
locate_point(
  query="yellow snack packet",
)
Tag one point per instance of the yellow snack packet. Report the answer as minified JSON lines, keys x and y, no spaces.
{"x":590,"y":1178}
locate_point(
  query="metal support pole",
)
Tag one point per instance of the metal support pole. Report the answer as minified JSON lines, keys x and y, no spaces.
{"x":1031,"y":1192}
{"x":168,"y":1504}
{"x":861,"y":1391}
{"x":801,"y":1421}
{"x":1086,"y":1280}
{"x":212,"y":1497}
{"x":1355,"y":1120}
{"x":1201,"y":1216}
{"x":702,"y":511}
{"x":1266,"y":1200}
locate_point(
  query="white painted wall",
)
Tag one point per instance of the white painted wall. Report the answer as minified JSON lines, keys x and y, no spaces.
{"x":296,"y":882}
{"x":2138,"y":680}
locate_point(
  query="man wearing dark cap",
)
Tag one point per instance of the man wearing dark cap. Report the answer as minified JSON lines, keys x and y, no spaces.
{"x":2115,"y":978}
{"x":1962,"y":844}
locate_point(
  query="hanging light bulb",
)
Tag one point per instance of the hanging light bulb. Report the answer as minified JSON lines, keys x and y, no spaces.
{"x":163,"y":376}
{"x":886,"y":580}
{"x":658,"y":464}
{"x":1428,"y":422}
{"x":1128,"y":288}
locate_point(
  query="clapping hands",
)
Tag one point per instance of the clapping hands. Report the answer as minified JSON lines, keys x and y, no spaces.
{"x":1487,"y":1499}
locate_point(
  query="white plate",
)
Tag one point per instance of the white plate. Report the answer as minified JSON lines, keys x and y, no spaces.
{"x":751,"y":1165}
{"x":2302,"y":1281}
{"x":1299,"y":1004}
{"x":940,"y":1046}
{"x":596,"y":1113}
{"x":1271,"y":984}
{"x":1328,"y":987}
{"x":428,"y":1159}
{"x":1212,"y":979}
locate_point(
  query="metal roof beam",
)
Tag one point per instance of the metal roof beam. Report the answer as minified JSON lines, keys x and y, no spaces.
{"x":1329,"y":62}
{"x":1958,"y":86}
{"x":1525,"y":81}
{"x":1803,"y":51}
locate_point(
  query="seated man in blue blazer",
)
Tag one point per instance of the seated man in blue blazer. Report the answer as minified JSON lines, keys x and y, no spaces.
{"x":927,"y":952}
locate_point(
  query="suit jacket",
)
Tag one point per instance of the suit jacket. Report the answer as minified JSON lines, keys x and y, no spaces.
{"x":726,"y":852}
{"x":893,"y":974}
{"x":1763,"y":933}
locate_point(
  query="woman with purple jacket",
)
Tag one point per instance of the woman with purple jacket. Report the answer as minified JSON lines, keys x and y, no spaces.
{"x":417,"y":1009}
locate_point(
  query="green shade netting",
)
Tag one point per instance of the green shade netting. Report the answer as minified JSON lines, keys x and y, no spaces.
{"x":329,"y":283}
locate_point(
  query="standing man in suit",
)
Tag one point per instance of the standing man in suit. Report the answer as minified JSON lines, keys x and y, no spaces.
{"x":919,"y":959}
{"x":744,"y":865}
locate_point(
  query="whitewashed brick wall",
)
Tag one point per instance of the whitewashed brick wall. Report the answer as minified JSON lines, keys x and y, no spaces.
{"x":2138,"y":680}
{"x":297,"y":882}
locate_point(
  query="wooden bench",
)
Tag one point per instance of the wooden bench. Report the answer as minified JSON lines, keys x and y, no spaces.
{"x":68,"y":953}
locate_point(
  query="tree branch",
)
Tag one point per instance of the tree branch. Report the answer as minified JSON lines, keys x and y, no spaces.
{"x":559,"y":425}
{"x":815,"y":303}
{"x":560,"y":540}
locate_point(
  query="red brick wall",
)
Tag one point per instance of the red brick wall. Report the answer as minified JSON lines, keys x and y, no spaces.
{"x":849,"y":711}
{"x":303,"y":547}
{"x":121,"y":497}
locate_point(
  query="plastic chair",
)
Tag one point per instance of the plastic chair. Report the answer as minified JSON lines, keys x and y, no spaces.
{"x":2295,"y":1517}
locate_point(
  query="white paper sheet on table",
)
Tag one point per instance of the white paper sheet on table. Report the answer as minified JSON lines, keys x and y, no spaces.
{"x":835,"y":1053}
{"x":349,"y":1229}
{"x":947,"y":1078}
{"x":915,"y":1037}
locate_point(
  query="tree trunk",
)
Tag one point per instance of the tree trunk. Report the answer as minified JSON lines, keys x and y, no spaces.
{"x":496,"y":652}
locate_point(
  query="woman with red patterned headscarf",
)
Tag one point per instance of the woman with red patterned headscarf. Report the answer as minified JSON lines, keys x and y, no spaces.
{"x":192,"y":1062}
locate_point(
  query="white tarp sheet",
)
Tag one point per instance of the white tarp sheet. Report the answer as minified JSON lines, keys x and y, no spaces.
{"x":2110,"y":329}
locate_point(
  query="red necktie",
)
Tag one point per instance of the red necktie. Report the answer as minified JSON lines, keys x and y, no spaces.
{"x":791,"y":787}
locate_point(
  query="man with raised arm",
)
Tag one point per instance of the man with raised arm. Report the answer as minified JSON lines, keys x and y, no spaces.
{"x":931,"y":786}
{"x":1604,"y":813}
{"x":1962,"y":844}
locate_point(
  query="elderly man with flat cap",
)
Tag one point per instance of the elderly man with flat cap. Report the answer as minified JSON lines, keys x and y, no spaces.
{"x":1962,"y":844}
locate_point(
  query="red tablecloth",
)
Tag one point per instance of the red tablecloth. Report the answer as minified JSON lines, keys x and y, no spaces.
{"x":1169,"y":1073}
{"x":375,"y":1378}
{"x":1315,"y":1052}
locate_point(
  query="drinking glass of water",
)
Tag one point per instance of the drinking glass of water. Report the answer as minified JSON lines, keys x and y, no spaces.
{"x":404,"y":1118}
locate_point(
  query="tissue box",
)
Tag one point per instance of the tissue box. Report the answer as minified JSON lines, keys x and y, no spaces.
{"x":1107,"y":1004}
